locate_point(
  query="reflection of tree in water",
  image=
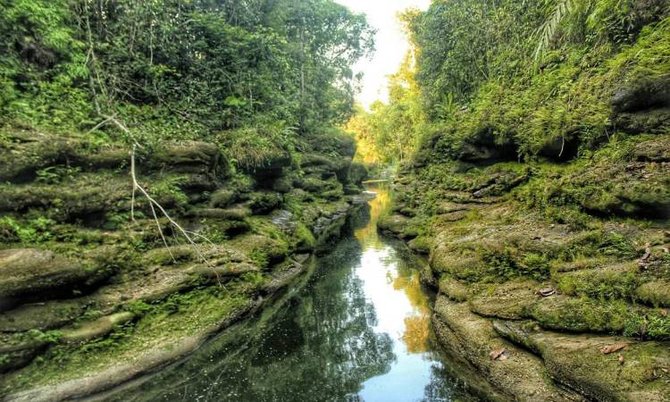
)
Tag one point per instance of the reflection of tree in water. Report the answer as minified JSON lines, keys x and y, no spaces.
{"x":444,"y":386}
{"x":367,"y":234}
{"x":339,"y":350}
{"x":416,"y":334}
{"x":406,"y":277}
{"x":408,"y":280}
{"x":319,"y":346}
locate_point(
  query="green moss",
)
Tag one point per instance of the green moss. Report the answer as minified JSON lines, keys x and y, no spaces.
{"x":656,"y":293}
{"x":168,"y":190}
{"x":568,"y":194}
{"x":454,"y":289}
{"x":304,"y":237}
{"x":509,"y":263}
{"x":163,"y":324}
{"x":259,"y":146}
{"x":606,"y":316}
{"x":617,"y":282}
{"x":582,"y":315}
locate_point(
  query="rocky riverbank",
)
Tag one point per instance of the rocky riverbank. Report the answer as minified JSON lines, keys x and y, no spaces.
{"x":553,"y":275}
{"x":91,"y":296}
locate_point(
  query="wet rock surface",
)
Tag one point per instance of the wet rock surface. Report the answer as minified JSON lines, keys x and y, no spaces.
{"x":520,"y":374}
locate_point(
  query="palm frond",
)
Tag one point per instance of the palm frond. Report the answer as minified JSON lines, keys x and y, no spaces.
{"x":550,"y":27}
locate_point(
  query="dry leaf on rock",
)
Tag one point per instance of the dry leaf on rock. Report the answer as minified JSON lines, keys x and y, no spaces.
{"x":497,"y":354}
{"x":613,"y":348}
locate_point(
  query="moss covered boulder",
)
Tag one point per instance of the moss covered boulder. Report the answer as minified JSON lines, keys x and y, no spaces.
{"x":601,"y":367}
{"x":510,"y":369}
{"x":37,"y":273}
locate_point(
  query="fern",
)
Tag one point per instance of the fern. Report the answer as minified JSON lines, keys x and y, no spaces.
{"x":550,"y":27}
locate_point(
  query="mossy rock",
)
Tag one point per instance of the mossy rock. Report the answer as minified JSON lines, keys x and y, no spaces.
{"x":482,"y":147}
{"x":332,"y":142}
{"x":635,"y":373}
{"x":510,"y":300}
{"x":262,"y":250}
{"x":465,"y":266}
{"x":617,"y":281}
{"x":321,"y":162}
{"x":521,"y":375}
{"x":270,"y":169}
{"x":646,"y":93}
{"x":190,"y":157}
{"x":223,"y":198}
{"x":262,"y":203}
{"x":351,"y":189}
{"x":95,"y":329}
{"x":421,"y":245}
{"x":106,"y":158}
{"x":635,"y":189}
{"x":648,"y":121}
{"x":357,"y":173}
{"x":27,"y":152}
{"x":327,"y":167}
{"x":43,"y":316}
{"x":399,"y":226}
{"x":18,"y":351}
{"x":229,"y":228}
{"x":39,"y":273}
{"x":224,"y":271}
{"x":176,"y":255}
{"x":305,"y":240}
{"x":451,"y":207}
{"x":314,"y":184}
{"x":333,"y":195}
{"x":653,"y":150}
{"x":169,"y":256}
{"x":234,"y":213}
{"x":656,"y":293}
{"x":581,"y":314}
{"x":283,"y":185}
{"x":454,"y":289}
{"x":85,"y":195}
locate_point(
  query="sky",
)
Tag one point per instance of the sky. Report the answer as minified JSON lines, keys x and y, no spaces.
{"x":391,"y":44}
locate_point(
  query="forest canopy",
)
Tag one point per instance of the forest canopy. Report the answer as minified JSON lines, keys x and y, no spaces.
{"x":532,"y":77}
{"x":180,"y":69}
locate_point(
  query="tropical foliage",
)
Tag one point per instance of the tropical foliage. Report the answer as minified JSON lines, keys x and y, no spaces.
{"x":535,"y":76}
{"x":175,"y":69}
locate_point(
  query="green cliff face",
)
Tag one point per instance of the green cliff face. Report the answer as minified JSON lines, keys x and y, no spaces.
{"x":229,"y":109}
{"x":85,"y":287}
{"x":541,"y":193}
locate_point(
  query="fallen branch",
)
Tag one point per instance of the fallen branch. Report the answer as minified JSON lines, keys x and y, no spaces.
{"x":154,"y":205}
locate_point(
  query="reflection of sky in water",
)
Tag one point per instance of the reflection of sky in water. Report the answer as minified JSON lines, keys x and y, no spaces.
{"x":411,"y":371}
{"x":357,"y":330}
{"x":401,"y":310}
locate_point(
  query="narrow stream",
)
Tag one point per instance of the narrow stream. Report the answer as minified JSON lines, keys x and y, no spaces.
{"x":358,"y":329}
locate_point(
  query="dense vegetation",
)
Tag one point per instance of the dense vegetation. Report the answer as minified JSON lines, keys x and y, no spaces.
{"x":534,"y":76}
{"x":238,"y":173}
{"x":537,"y":179}
{"x":260,"y":72}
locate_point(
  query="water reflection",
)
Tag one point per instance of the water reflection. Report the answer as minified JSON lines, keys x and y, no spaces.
{"x":358,"y":330}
